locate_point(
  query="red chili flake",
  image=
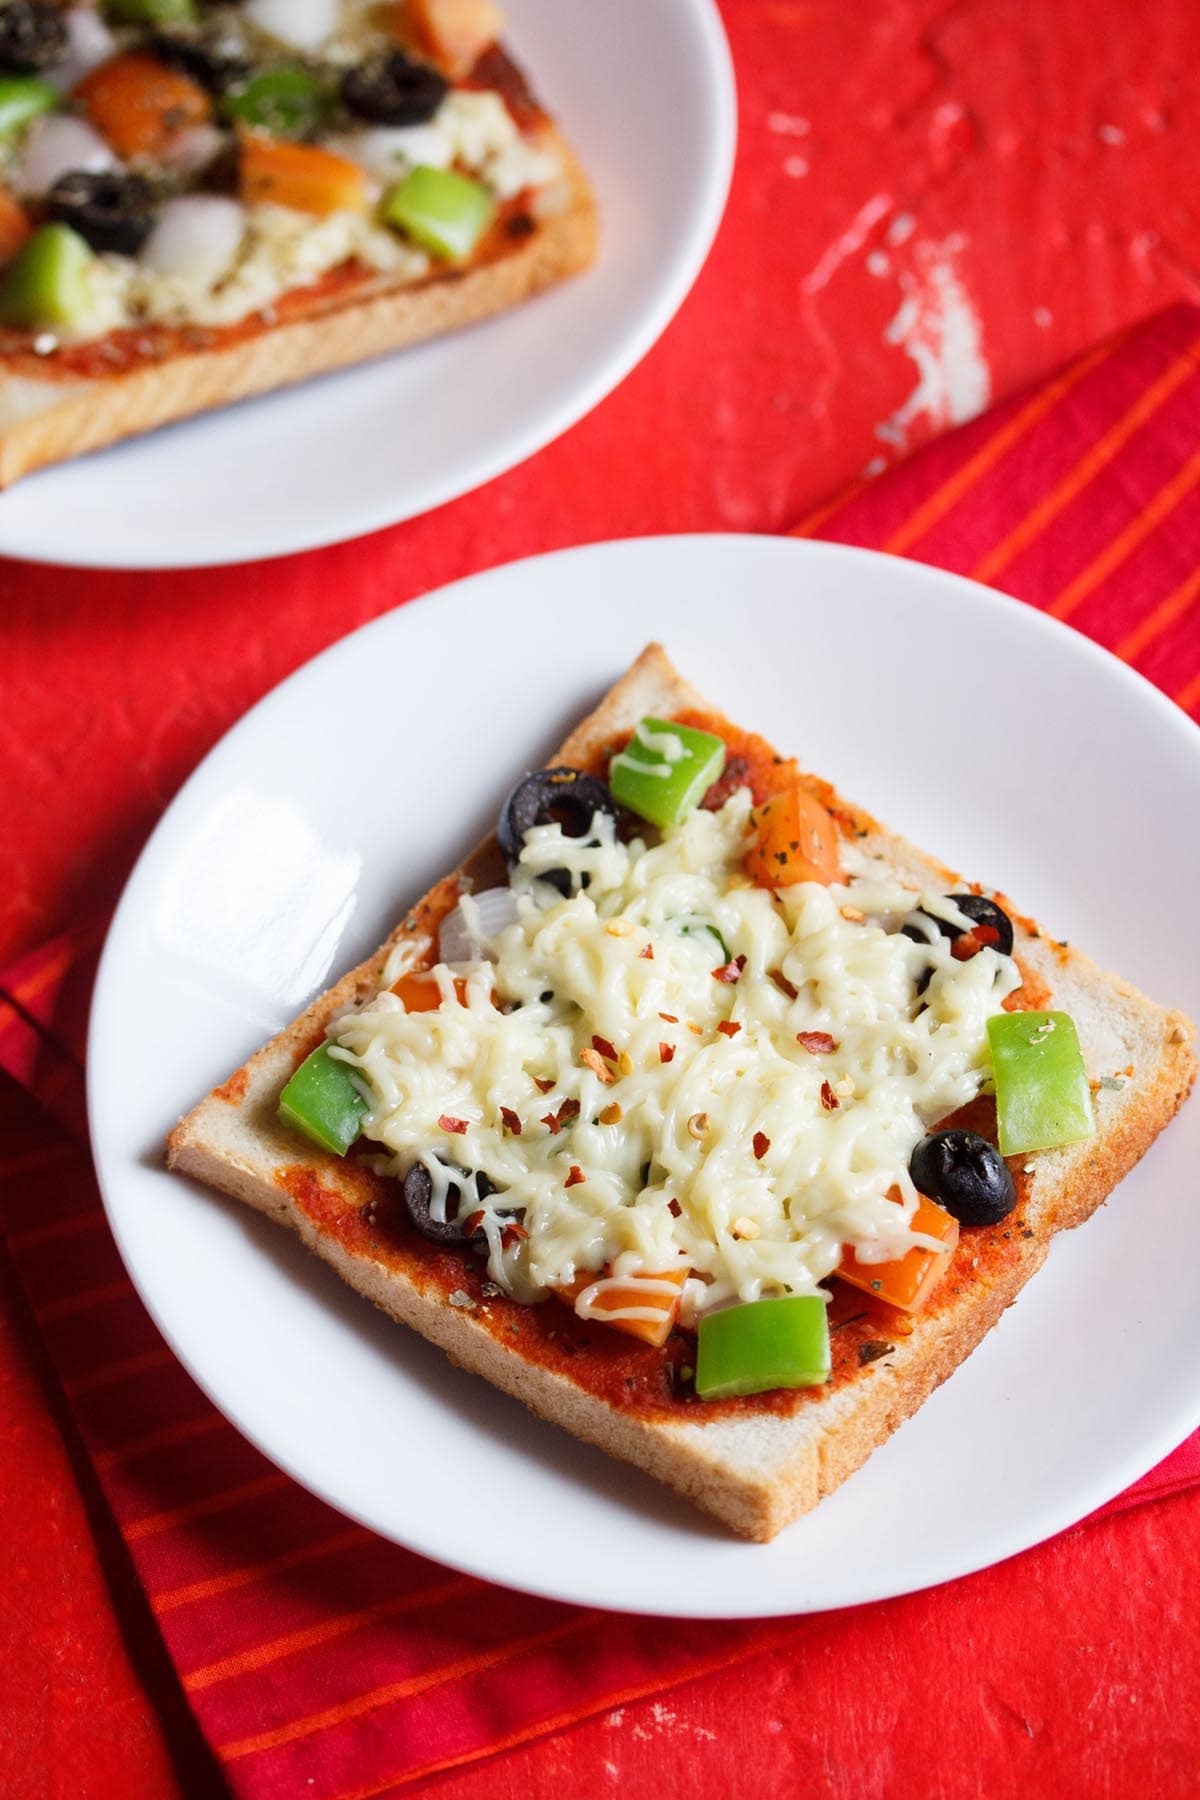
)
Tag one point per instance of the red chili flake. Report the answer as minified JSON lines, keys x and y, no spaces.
{"x":674,"y":1208}
{"x":648,"y":953}
{"x":964,"y":947}
{"x":669,"y":1018}
{"x":666,"y":1053}
{"x":762,"y":1144}
{"x":741,"y":962}
{"x":511,"y":1120}
{"x":512,"y":1234}
{"x":817,"y":1043}
{"x":729,"y":972}
{"x":829,"y":1099}
{"x":575,"y":1177}
{"x":728,"y":1028}
{"x":592,"y":1059}
{"x":605,"y":1048}
{"x":568,"y":1110}
{"x":783,"y":984}
{"x":550,"y":1120}
{"x":457,"y":1126}
{"x":472,"y":1225}
{"x":543,"y":1087}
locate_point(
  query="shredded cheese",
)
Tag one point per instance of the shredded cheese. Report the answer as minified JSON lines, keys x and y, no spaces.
{"x":724,"y":1155}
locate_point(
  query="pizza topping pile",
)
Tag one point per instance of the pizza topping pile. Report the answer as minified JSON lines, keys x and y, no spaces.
{"x":163,"y":164}
{"x":683,"y":1069}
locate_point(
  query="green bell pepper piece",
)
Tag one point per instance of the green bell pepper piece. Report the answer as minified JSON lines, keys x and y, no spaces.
{"x":22,"y":98}
{"x":322,"y":1101}
{"x":765,"y":1344}
{"x":441,"y":210}
{"x":665,"y":770}
{"x":287,"y":101}
{"x":151,"y":12}
{"x":1042,"y":1093}
{"x":46,"y":283}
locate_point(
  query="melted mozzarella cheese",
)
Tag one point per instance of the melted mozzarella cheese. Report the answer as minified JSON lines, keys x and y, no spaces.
{"x":682,"y":1123}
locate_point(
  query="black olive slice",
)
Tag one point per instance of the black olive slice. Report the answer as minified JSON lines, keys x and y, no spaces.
{"x":217,"y":58}
{"x":418,"y":1196}
{"x":563,"y":797}
{"x":982,"y":911}
{"x":33,"y":35}
{"x":966,"y":1175}
{"x":111,"y":209}
{"x":394,"y":90}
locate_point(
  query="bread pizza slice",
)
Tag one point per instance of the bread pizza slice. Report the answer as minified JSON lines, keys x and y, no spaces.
{"x":699,"y":1111}
{"x":200,"y":202}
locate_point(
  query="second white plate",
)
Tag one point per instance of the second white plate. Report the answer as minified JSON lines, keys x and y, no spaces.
{"x":645,"y":93}
{"x":1002,"y":741}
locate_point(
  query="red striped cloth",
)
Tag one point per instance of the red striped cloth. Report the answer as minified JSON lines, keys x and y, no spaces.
{"x":318,"y":1659}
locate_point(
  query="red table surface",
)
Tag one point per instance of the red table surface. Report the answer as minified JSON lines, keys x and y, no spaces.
{"x":988,"y":187}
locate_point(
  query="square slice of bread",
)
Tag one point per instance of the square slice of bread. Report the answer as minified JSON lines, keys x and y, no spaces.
{"x":47,"y":418}
{"x":756,"y":1464}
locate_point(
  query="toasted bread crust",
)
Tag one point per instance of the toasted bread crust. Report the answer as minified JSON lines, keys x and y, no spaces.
{"x":759,"y":1470}
{"x":87,"y":413}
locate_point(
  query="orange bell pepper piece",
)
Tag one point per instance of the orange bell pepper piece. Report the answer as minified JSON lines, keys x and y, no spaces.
{"x":456,"y":32}
{"x":907,"y":1282}
{"x":654,"y":1331}
{"x":140,"y":105}
{"x":796,"y":840}
{"x":301,"y":176}
{"x":420,"y":992}
{"x":15,"y":225}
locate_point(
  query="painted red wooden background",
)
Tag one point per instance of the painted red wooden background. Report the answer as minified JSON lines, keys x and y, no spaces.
{"x":933,"y":203}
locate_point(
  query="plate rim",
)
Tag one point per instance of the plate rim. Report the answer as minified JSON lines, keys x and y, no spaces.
{"x":1053,"y":1520}
{"x":720,"y":101}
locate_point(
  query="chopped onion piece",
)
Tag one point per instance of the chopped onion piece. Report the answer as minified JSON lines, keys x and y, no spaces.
{"x":194,"y":149}
{"x":56,"y":145}
{"x":197,"y":236}
{"x":390,"y":150}
{"x":469,"y":928}
{"x":89,"y":43}
{"x":303,"y":24}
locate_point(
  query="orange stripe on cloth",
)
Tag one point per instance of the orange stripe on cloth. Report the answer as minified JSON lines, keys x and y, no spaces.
{"x":939,"y":503}
{"x":341,"y":1625}
{"x":564,"y":1721}
{"x":112,"y":1373}
{"x":1157,"y":621}
{"x":1189,"y":696}
{"x":403,"y":1690}
{"x":71,"y":1304}
{"x":1089,"y":466}
{"x":153,"y":1523}
{"x":812,"y":522}
{"x":1127,"y":541}
{"x":208,"y":1589}
{"x":45,"y":975}
{"x":165,"y":1438}
{"x":38,"y":1235}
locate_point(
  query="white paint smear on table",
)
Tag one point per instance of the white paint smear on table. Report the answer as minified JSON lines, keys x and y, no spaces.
{"x":938,"y":327}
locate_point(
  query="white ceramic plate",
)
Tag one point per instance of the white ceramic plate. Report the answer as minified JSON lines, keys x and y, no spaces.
{"x":1000,"y":740}
{"x":645,"y":92}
